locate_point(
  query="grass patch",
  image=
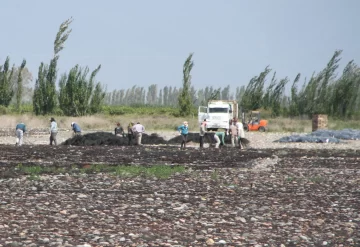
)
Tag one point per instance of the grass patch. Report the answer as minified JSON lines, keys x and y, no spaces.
{"x":159,"y":171}
{"x":37,"y":170}
{"x":317,"y":179}
{"x":215,"y":175}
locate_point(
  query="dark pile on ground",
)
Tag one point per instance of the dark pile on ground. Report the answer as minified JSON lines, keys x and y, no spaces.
{"x":109,"y":139}
{"x":268,"y":197}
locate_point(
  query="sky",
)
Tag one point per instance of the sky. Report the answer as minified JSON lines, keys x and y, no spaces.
{"x":147,"y":42}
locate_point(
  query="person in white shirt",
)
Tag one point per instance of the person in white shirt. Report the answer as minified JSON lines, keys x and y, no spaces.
{"x":240,"y":131}
{"x":138,"y":130}
{"x":202,"y":133}
{"x":53,"y":131}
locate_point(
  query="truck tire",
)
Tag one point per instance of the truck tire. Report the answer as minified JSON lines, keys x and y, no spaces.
{"x":262,"y":129}
{"x":246,"y":128}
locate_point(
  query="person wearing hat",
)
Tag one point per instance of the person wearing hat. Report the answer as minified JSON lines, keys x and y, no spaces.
{"x":76,"y":128}
{"x":53,"y":131}
{"x":184,"y":131}
{"x":130,"y":134}
{"x":119,"y":130}
{"x":202,"y":133}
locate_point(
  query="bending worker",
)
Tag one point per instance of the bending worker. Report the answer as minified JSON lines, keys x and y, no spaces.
{"x":20,"y":130}
{"x":76,"y":128}
{"x":119,"y":130}
{"x":219,"y":138}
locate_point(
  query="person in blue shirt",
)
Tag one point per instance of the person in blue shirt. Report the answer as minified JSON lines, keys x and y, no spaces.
{"x":184,"y":131}
{"x":76,"y":128}
{"x":20,"y":130}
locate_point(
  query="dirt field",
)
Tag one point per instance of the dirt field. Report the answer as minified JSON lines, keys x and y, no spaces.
{"x":272,"y":194}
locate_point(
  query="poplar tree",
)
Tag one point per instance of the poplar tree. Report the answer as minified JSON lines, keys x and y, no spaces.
{"x":184,"y":98}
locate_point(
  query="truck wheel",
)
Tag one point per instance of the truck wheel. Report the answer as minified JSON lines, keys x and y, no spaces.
{"x":246,"y":128}
{"x":262,"y":129}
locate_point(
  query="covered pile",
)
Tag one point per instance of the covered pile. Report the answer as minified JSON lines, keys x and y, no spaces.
{"x":324,"y":136}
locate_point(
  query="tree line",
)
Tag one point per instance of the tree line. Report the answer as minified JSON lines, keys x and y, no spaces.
{"x":323,"y":93}
{"x":77,"y":92}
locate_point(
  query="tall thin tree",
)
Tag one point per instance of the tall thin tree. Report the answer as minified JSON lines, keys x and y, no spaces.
{"x":184,"y":99}
{"x":44,"y":99}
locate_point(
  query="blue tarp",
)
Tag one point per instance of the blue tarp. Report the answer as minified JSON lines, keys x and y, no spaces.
{"x":324,"y":136}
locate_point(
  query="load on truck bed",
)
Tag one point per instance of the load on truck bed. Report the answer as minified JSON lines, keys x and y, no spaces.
{"x":218,"y":114}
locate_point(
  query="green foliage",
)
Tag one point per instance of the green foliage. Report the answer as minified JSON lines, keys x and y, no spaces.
{"x":45,"y":96}
{"x":185,"y":102}
{"x":6,"y":87}
{"x":97,"y":99}
{"x":294,"y":100}
{"x":277,"y":97}
{"x":20,"y":87}
{"x":142,"y":110}
{"x":3,"y":110}
{"x":253,"y":95}
{"x":77,"y":96}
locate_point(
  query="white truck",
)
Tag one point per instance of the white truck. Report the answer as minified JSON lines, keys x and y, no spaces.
{"x":218,"y":114}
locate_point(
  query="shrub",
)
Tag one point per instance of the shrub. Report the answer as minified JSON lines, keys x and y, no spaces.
{"x":3,"y":110}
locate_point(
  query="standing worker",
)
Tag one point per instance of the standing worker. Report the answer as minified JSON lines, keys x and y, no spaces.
{"x":241,"y":133}
{"x":119,"y":130}
{"x":53,"y":131}
{"x":202,"y":133}
{"x":20,"y":130}
{"x":130,"y":134}
{"x":76,"y":128}
{"x":234,"y":133}
{"x":138,"y":130}
{"x":184,"y":131}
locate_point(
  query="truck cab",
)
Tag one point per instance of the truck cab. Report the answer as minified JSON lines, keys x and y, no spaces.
{"x":218,"y":114}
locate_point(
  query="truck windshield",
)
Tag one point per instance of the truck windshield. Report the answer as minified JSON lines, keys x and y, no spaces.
{"x":218,"y":110}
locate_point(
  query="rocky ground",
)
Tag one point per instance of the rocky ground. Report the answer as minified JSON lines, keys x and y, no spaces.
{"x":271,"y":194}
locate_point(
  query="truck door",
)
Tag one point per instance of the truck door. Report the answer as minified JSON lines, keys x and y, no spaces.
{"x":202,"y":114}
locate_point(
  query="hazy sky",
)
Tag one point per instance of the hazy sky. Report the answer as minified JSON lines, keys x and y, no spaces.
{"x":146,"y":42}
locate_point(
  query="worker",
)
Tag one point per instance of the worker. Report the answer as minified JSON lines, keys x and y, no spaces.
{"x":53,"y":131}
{"x":76,"y":128}
{"x":241,"y":133}
{"x":130,"y":134}
{"x":219,"y":138}
{"x":138,"y":130}
{"x":233,"y":133}
{"x":202,"y":133}
{"x":184,"y":131}
{"x":20,"y":130}
{"x":119,"y":130}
